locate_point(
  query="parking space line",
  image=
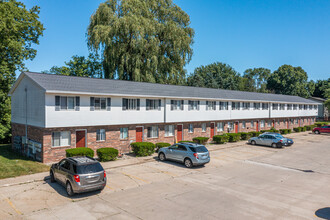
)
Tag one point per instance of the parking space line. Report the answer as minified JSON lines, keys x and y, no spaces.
{"x":109,"y":187}
{"x":12,"y":205}
{"x":135,"y":177}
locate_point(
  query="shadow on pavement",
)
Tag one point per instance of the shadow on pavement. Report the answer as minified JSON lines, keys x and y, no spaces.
{"x":178,"y":164}
{"x":323,"y":213}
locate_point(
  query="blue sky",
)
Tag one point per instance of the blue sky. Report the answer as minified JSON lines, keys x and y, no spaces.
{"x":242,"y":33}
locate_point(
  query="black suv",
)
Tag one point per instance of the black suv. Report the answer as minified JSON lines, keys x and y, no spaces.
{"x":79,"y":174}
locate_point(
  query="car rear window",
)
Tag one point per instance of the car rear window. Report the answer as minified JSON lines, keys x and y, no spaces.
{"x":88,"y":168}
{"x":199,"y":149}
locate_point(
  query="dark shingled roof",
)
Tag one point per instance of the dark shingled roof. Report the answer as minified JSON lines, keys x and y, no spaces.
{"x":60,"y":83}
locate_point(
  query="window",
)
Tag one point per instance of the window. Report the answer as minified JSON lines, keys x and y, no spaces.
{"x":220,"y":126}
{"x":204,"y":127}
{"x":64,"y":102}
{"x":211,"y":105}
{"x":291,"y":121}
{"x":300,"y":107}
{"x":152,"y":132}
{"x":278,"y":122}
{"x":131,"y":104}
{"x":97,"y":103}
{"x":193,"y":105}
{"x":67,"y":103}
{"x":262,"y":123}
{"x":289,"y":107}
{"x":246,"y":105}
{"x":61,"y":138}
{"x":123,"y":133}
{"x":252,"y":124}
{"x":223,"y":106}
{"x":264,"y":106}
{"x":191,"y":128}
{"x":230,"y":126}
{"x":235,"y":105}
{"x":177,"y":105}
{"x":100,"y":135}
{"x":310,"y":107}
{"x":269,"y":123}
{"x":282,"y":106}
{"x":169,"y":130}
{"x":305,"y":107}
{"x":153,"y":104}
{"x":296,"y":121}
{"x":243,"y":124}
{"x":256,"y":106}
{"x":315,"y":107}
{"x":275,"y":106}
{"x":294,"y":106}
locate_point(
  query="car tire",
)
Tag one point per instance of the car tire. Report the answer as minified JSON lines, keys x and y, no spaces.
{"x":188,"y":163}
{"x":253,"y":142}
{"x":274,"y":145}
{"x":161,"y":157}
{"x":52,"y":177}
{"x":317,"y":132}
{"x":69,"y":190}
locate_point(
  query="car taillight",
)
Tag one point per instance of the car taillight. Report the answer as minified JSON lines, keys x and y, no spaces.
{"x":196,"y":155}
{"x":104,"y":174}
{"x":281,"y":141}
{"x":76,"y":178}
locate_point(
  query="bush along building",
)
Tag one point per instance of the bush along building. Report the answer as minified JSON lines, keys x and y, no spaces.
{"x":52,"y":113}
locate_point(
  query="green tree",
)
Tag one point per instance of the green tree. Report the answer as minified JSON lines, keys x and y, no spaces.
{"x":256,"y":79}
{"x":142,"y":40}
{"x":216,"y":75}
{"x":19,"y":28}
{"x":80,"y":66}
{"x":321,"y":86}
{"x":289,"y":80}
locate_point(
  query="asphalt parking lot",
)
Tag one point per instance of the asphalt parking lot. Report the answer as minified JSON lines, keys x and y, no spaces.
{"x":241,"y":182}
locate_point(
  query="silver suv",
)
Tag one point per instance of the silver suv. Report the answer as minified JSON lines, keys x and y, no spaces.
{"x":79,"y":174}
{"x":190,"y":154}
{"x":271,"y":139}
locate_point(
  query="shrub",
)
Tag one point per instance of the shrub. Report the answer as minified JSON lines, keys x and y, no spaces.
{"x":186,"y":142}
{"x":107,"y":153}
{"x":283,"y":131}
{"x":234,"y":137}
{"x":298,"y":129}
{"x":303,"y":129}
{"x":319,"y":124}
{"x":161,"y":145}
{"x":200,"y":140}
{"x":255,"y":133}
{"x":142,"y":149}
{"x":81,"y":151}
{"x":221,"y":139}
{"x":270,"y":130}
{"x":245,"y":136}
{"x":309,"y":127}
{"x":289,"y":131}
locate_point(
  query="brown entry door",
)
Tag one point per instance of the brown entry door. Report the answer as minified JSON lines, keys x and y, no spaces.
{"x":212,"y":130}
{"x":80,"y":139}
{"x":179,"y":136}
{"x":139,"y":134}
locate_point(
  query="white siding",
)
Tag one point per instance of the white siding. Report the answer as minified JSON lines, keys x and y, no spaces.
{"x":35,"y":104}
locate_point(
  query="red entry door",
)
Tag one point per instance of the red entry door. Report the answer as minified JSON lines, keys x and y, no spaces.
{"x":236,"y":127}
{"x":139,"y":134}
{"x":273,"y":124}
{"x":212,"y":130}
{"x":179,"y":133}
{"x":80,"y":139}
{"x":257,"y":126}
{"x":287,"y":124}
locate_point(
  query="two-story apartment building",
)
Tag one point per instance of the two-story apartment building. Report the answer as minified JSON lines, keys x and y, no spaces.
{"x":53,"y":113}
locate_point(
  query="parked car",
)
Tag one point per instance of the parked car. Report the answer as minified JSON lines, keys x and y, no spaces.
{"x":191,"y":154}
{"x":271,"y":139}
{"x":323,"y":129}
{"x":79,"y":174}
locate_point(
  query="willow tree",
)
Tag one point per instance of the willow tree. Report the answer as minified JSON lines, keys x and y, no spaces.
{"x":142,"y":40}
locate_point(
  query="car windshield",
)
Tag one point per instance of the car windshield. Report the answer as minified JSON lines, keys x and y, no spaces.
{"x":88,"y":168}
{"x":199,"y":149}
{"x":279,"y":136}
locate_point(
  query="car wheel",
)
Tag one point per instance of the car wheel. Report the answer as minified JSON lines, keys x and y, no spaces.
{"x":188,"y":163}
{"x":253,"y":142}
{"x":274,"y":145}
{"x":69,"y":190}
{"x":161,"y":157}
{"x":52,"y":177}
{"x":317,"y":132}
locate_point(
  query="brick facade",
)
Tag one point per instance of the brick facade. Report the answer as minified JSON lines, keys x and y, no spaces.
{"x":52,"y":154}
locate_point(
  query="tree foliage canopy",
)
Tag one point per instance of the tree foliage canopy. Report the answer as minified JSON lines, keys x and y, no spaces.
{"x":256,"y":79}
{"x":322,"y":87}
{"x":19,"y":28}
{"x":142,"y":40}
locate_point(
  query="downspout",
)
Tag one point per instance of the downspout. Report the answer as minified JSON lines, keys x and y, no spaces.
{"x":26,"y":116}
{"x":164,"y":110}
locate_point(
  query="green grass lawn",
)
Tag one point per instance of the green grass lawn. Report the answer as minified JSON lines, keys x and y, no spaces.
{"x":13,"y":164}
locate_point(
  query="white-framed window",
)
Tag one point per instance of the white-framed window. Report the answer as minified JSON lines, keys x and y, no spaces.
{"x":269,"y":123}
{"x":264,"y":106}
{"x":203,"y":127}
{"x":191,"y":128}
{"x":223,"y":106}
{"x":123,"y":133}
{"x":153,"y":104}
{"x":131,"y":104}
{"x":220,"y":126}
{"x":230,"y":126}
{"x":177,"y":105}
{"x":294,"y":106}
{"x":282,"y":106}
{"x":315,"y":107}
{"x":289,"y":107}
{"x":246,"y":105}
{"x":275,"y":106}
{"x":235,"y":105}
{"x":61,"y":138}
{"x":193,"y":105}
{"x":278,"y":122}
{"x":291,"y":121}
{"x":152,"y":132}
{"x":262,"y":123}
{"x":310,"y":107}
{"x":243,"y":124}
{"x":256,"y":106}
{"x":305,"y":107}
{"x":301,"y":107}
{"x":67,"y":103}
{"x":211,"y":105}
{"x":100,"y":103}
{"x":169,"y":130}
{"x":296,"y":121}
{"x":252,"y":124}
{"x":100,"y":134}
